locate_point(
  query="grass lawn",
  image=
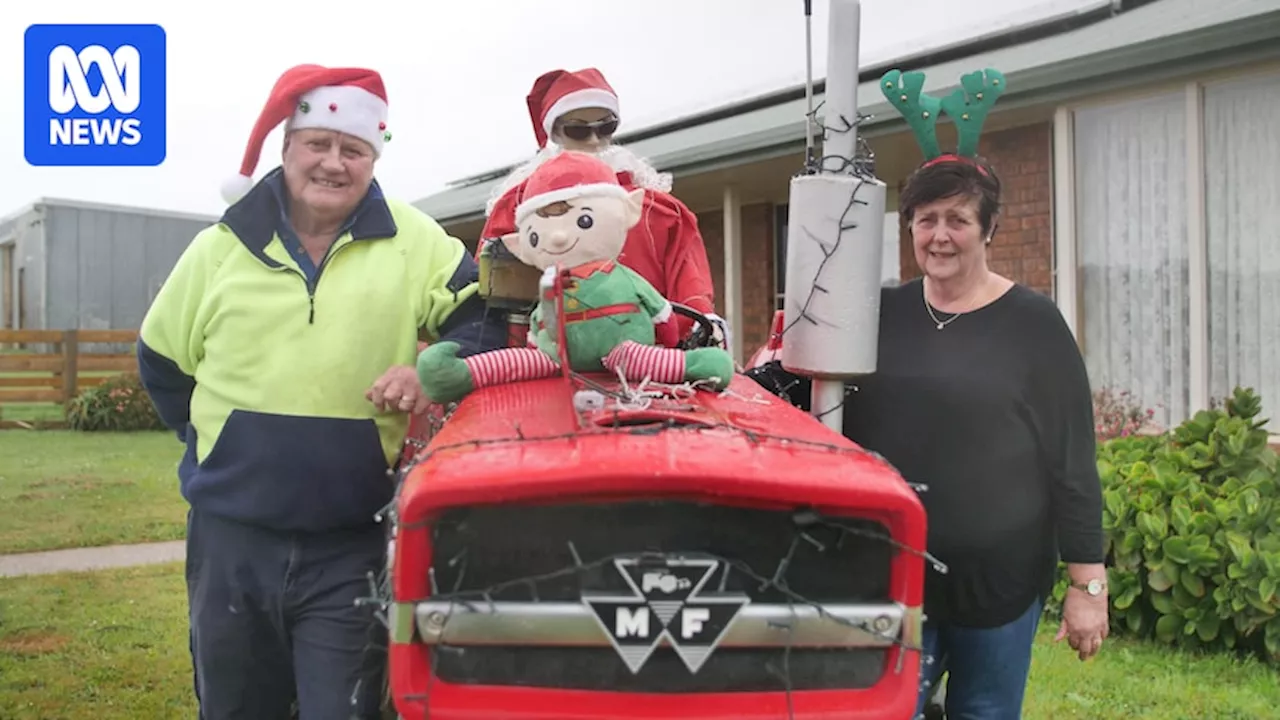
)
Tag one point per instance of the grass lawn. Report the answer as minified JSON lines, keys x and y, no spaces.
{"x":35,"y":413}
{"x":112,"y":645}
{"x":107,"y":645}
{"x":1139,"y":681}
{"x":65,"y":489}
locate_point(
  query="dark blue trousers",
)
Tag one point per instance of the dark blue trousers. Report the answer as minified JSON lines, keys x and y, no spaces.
{"x":274,"y":620}
{"x":987,"y":668}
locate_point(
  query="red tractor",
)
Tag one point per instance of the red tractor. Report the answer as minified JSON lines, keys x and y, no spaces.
{"x":581,"y":547}
{"x":577,"y":548}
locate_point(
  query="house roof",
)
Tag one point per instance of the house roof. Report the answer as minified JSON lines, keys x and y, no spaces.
{"x":1145,"y":43}
{"x":46,"y":202}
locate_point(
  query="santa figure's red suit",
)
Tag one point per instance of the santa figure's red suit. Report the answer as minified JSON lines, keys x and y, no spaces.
{"x":665,"y":247}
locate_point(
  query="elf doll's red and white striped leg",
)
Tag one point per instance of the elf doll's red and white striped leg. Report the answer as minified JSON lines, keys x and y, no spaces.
{"x":637,"y":362}
{"x":509,"y":365}
{"x":446,"y":378}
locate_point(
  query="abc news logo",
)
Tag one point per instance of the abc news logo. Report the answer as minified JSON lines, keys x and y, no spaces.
{"x":95,"y":95}
{"x":69,"y":89}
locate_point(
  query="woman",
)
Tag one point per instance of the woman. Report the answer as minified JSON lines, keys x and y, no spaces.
{"x":981,"y":396}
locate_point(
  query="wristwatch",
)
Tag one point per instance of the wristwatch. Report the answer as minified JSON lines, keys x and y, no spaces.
{"x":1094,"y":587}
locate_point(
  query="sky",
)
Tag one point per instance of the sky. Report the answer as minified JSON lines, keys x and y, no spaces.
{"x":456,"y":75}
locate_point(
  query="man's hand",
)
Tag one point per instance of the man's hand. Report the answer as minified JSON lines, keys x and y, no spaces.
{"x":1085,"y":621}
{"x":399,"y":389}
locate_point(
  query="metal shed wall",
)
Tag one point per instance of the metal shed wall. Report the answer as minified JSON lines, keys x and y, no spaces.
{"x":23,"y":232}
{"x":103,"y":265}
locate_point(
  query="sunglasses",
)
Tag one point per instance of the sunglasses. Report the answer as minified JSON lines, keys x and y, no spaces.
{"x":603,"y":129}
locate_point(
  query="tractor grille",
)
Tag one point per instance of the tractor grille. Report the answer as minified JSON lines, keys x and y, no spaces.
{"x":520,"y":553}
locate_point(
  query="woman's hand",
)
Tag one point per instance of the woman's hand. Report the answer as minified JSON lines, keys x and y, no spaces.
{"x":1085,"y":621}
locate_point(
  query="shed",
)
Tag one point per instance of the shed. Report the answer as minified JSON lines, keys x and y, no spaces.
{"x":68,"y":264}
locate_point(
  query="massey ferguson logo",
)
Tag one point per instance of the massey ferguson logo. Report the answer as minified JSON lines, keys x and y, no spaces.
{"x":665,"y":602}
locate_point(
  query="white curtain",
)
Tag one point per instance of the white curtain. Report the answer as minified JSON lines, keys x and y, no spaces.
{"x":1130,"y":159}
{"x":1242,"y":205}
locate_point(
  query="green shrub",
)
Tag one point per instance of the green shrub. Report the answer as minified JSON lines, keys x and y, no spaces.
{"x":118,"y":404}
{"x":1192,"y":526}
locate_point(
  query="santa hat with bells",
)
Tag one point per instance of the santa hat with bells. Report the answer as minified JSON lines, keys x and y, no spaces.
{"x":561,"y":91}
{"x":568,"y":176}
{"x":348,"y":100}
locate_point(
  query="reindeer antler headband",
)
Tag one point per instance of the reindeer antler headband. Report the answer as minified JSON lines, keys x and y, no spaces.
{"x":967,"y":105}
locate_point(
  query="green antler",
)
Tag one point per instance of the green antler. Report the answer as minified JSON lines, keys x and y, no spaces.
{"x":969,"y":104}
{"x":918,"y":109}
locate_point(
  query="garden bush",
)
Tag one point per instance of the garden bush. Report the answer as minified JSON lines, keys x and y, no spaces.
{"x":1191,"y":520}
{"x":118,"y":404}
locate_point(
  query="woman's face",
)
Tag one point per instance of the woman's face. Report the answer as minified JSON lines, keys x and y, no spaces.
{"x":947,"y":238}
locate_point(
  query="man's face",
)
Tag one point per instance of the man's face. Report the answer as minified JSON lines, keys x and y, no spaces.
{"x":577,"y":231}
{"x":326,"y":171}
{"x":585,"y":130}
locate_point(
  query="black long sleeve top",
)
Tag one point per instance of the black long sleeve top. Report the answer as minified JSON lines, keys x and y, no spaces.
{"x":993,"y":414}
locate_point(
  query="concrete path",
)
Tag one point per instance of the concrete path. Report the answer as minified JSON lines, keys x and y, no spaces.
{"x":95,"y":558}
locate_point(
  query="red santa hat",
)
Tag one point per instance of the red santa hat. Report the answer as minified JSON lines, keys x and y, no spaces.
{"x":565,"y":177}
{"x":561,"y":91}
{"x":349,"y":100}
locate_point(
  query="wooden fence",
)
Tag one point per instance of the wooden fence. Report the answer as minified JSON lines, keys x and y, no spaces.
{"x":33,"y":383}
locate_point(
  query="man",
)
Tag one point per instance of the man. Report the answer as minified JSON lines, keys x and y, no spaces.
{"x":282,"y":349}
{"x":580,"y":111}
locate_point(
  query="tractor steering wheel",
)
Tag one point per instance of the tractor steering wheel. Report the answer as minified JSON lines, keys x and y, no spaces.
{"x":703,"y":335}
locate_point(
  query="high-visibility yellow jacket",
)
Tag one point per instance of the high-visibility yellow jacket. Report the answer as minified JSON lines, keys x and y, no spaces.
{"x":263,"y":369}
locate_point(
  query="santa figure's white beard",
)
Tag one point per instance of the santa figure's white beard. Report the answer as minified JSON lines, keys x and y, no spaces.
{"x":643,"y":174}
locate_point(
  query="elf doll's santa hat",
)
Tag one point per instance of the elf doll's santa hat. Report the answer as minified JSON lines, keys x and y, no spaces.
{"x":567,"y":176}
{"x":561,"y":91}
{"x":349,"y":100}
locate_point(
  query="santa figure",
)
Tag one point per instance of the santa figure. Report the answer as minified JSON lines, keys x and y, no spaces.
{"x":579,"y":111}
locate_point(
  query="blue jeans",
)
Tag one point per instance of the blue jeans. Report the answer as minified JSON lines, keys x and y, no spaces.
{"x":986,"y":668}
{"x":274,"y":620}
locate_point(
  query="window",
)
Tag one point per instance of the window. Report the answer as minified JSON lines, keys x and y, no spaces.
{"x":1242,"y":186}
{"x":1131,"y":230}
{"x":1177,"y":254}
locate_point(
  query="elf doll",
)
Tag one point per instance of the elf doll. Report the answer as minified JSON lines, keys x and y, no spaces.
{"x":572,"y":224}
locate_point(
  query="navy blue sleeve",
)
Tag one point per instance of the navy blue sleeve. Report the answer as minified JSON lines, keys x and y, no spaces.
{"x":473,"y":325}
{"x":170,"y":388}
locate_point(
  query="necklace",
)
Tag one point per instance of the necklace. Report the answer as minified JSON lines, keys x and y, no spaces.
{"x":929,"y":308}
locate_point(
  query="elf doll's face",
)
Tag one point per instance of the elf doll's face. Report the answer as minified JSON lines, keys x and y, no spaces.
{"x":576,"y":231}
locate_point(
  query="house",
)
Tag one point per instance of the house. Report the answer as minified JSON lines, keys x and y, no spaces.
{"x":1137,"y":150}
{"x":75,"y":265}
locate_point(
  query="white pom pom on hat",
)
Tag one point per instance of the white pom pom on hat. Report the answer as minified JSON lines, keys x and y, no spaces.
{"x":348,"y":100}
{"x":236,"y":187}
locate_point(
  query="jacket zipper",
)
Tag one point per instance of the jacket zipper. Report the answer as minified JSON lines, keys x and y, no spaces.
{"x":310,"y":285}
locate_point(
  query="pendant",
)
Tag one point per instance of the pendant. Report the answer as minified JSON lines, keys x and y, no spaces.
{"x":941,"y":325}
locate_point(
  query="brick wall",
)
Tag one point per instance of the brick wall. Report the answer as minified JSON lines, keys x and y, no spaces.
{"x":757,"y":269}
{"x":1023,"y":246}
